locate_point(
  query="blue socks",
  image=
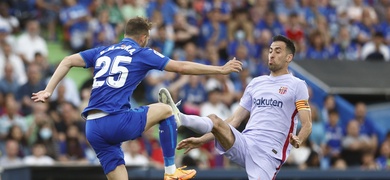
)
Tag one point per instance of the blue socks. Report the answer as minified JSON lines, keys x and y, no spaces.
{"x":168,"y":140}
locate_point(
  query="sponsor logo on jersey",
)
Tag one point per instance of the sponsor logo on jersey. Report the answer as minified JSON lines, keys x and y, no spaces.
{"x":282,"y":90}
{"x":263,"y":102}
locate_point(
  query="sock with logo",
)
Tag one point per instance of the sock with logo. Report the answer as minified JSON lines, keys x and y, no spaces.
{"x":168,"y":141}
{"x":201,"y":125}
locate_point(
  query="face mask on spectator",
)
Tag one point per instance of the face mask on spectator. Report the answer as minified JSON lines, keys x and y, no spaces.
{"x":240,"y":35}
{"x":45,"y":133}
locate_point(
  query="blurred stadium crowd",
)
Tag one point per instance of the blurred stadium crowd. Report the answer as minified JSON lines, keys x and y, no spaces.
{"x":205,"y":31}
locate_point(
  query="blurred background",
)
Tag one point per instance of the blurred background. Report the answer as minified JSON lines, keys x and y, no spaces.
{"x":343,"y":53}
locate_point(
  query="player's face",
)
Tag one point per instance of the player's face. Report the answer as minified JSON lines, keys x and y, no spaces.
{"x":278,"y":56}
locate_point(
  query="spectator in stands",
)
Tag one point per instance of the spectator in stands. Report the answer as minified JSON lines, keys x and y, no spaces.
{"x":384,"y":25}
{"x":46,"y":67}
{"x":5,"y":36}
{"x":193,"y":94}
{"x":294,"y":27}
{"x":339,"y":164}
{"x":30,"y":42}
{"x":103,"y":31}
{"x":38,"y":157}
{"x":115,"y":15}
{"x":298,"y":157}
{"x":328,"y":105}
{"x":48,"y":11}
{"x":11,"y":117}
{"x":365,"y":28}
{"x":333,"y":137}
{"x":354,"y":144}
{"x":223,"y":6}
{"x":214,"y":31}
{"x":132,"y":154}
{"x":376,"y":49}
{"x":381,"y":7}
{"x":240,"y":22}
{"x":9,"y":57}
{"x":317,"y":136}
{"x":10,"y":21}
{"x":69,"y":117}
{"x":184,"y":31}
{"x":72,"y":149}
{"x":285,"y":8}
{"x":8,"y":84}
{"x":242,"y":80}
{"x":384,"y":156}
{"x":225,"y":85}
{"x":34,"y":83}
{"x":344,"y":47}
{"x":34,"y":120}
{"x":151,"y":145}
{"x":167,"y":8}
{"x":47,"y":135}
{"x":11,"y":159}
{"x":162,"y":43}
{"x":271,"y":23}
{"x":186,"y":9}
{"x":356,"y":8}
{"x":215,"y":105}
{"x":85,"y":93}
{"x":16,"y":133}
{"x":368,"y":161}
{"x":318,"y":49}
{"x":154,"y":81}
{"x":74,"y":18}
{"x":366,"y":126}
{"x":131,"y":9}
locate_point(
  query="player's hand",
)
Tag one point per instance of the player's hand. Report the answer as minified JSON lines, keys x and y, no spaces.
{"x":189,"y":144}
{"x":40,"y":96}
{"x":294,"y":140}
{"x":232,"y":66}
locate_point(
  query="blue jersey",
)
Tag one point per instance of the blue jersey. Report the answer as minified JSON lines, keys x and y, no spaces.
{"x":118,"y":69}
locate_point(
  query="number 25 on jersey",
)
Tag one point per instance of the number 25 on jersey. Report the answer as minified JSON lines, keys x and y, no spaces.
{"x":112,"y":68}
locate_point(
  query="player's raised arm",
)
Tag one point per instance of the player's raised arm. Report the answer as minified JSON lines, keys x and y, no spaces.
{"x":63,"y":68}
{"x":186,"y":67}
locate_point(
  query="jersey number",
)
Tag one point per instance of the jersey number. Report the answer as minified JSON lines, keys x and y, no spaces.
{"x":104,"y":63}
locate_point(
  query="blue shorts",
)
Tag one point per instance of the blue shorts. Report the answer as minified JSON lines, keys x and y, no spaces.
{"x":106,"y":135}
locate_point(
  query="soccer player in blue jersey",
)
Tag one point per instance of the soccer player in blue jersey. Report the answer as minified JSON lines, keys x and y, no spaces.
{"x":118,"y":69}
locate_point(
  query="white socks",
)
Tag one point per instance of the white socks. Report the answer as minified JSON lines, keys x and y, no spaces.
{"x":170,"y":169}
{"x":201,"y":125}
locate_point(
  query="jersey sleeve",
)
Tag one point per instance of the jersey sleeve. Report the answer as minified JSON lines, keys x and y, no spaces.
{"x":154,"y":59}
{"x":302,"y":96}
{"x":246,"y":99}
{"x":89,"y":56}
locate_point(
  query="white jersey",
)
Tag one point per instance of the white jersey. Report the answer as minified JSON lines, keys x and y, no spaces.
{"x":273,"y":103}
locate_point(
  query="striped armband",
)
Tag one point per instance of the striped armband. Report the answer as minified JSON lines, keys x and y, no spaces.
{"x":302,"y":105}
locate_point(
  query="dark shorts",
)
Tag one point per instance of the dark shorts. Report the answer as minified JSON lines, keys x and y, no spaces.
{"x":107,"y":133}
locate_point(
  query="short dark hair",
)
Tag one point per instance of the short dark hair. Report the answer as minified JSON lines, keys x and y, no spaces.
{"x":289,"y":44}
{"x":137,"y":26}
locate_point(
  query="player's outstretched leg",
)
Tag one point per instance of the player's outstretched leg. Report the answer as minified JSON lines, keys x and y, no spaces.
{"x":200,"y":125}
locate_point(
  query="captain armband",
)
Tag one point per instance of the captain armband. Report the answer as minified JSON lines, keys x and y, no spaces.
{"x":302,"y":105}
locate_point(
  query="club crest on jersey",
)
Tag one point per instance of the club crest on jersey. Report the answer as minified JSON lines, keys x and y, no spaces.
{"x":282,"y":90}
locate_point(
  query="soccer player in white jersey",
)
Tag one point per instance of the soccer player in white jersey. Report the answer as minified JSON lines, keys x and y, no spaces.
{"x":271,"y":103}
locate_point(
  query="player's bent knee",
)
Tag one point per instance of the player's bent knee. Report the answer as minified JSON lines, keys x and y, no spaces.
{"x":166,"y":110}
{"x":218,"y":122}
